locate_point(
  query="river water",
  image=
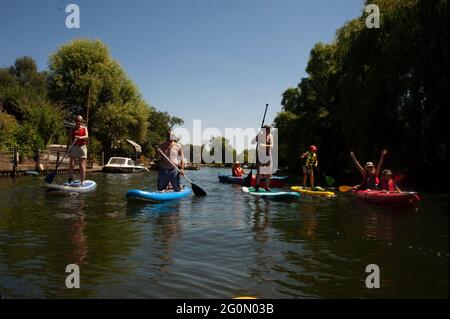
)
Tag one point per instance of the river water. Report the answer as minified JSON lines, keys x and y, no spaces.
{"x":225,"y":245}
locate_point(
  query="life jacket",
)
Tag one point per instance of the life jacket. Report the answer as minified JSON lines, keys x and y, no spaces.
{"x":237,"y":171}
{"x":81,"y":131}
{"x":369,"y":181}
{"x":311,"y":159}
{"x":389,"y":185}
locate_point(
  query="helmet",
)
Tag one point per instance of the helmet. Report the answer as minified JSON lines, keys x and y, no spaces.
{"x":313,"y":148}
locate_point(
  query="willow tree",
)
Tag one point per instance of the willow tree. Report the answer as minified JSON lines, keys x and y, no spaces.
{"x":86,"y":80}
{"x":376,"y":88}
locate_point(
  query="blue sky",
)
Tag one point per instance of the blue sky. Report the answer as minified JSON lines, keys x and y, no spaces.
{"x":219,"y":61}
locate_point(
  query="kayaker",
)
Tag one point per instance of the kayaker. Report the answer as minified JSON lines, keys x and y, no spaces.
{"x":369,"y":173}
{"x":167,"y":172}
{"x":387,"y":182}
{"x":237,"y":170}
{"x":310,"y":162}
{"x":78,"y":137}
{"x":264,"y":163}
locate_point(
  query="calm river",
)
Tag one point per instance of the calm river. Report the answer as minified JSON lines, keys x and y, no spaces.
{"x":225,"y":245}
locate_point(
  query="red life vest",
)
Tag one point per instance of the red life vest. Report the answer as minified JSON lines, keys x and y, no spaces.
{"x":389,"y":185}
{"x":81,"y":131}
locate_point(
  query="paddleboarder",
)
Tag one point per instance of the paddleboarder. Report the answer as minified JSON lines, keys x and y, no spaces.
{"x":167,"y":172}
{"x":78,"y":140}
{"x":311,"y":162}
{"x":264,"y":162}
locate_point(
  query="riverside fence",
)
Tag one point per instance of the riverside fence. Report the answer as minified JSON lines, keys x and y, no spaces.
{"x":44,"y":161}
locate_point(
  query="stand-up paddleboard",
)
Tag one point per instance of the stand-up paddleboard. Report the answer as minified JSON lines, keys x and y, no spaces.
{"x":73,"y":187}
{"x":274,"y":194}
{"x":312,"y":192}
{"x":140,"y":195}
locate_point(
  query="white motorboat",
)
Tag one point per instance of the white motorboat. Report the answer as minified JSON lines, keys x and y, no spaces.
{"x":122,"y":165}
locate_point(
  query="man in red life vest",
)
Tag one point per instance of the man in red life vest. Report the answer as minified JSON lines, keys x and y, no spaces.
{"x":237,"y":170}
{"x":78,"y":137}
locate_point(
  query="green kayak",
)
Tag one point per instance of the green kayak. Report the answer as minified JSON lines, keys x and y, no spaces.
{"x":274,"y":194}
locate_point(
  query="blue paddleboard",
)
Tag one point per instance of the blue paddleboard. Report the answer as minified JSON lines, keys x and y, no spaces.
{"x":137,"y":194}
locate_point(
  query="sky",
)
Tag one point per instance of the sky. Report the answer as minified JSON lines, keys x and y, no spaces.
{"x":218,"y":61}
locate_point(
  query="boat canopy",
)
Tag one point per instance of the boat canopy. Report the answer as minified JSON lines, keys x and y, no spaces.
{"x":136,"y":146}
{"x":117,"y":161}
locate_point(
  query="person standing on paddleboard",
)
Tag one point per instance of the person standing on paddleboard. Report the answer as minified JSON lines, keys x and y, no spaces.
{"x":264,"y":156}
{"x":311,"y":162}
{"x":78,"y":140}
{"x":167,"y":172}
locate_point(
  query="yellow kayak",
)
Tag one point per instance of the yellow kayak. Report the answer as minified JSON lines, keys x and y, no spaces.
{"x":308,"y":192}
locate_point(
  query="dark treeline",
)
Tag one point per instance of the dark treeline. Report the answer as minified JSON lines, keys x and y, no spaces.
{"x":37,"y":108}
{"x":372,"y":89}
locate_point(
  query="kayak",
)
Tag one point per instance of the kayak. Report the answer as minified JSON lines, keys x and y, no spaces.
{"x":73,"y":187}
{"x":140,"y":195}
{"x":396,"y":200}
{"x":309,"y":192}
{"x":274,"y":194}
{"x":275,"y":181}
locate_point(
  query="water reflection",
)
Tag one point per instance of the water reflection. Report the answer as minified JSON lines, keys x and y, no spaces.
{"x":166,"y":226}
{"x":226,"y":244}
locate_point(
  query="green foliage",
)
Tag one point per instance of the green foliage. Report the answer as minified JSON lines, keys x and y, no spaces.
{"x":375,"y":88}
{"x":23,"y":96}
{"x":114,"y":123}
{"x":83,"y":73}
{"x":8,"y":130}
{"x":82,"y":79}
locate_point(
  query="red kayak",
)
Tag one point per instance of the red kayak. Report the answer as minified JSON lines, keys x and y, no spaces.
{"x":395,"y":200}
{"x":275,"y":181}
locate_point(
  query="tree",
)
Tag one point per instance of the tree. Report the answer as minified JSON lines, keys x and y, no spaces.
{"x":376,"y":88}
{"x":83,"y":73}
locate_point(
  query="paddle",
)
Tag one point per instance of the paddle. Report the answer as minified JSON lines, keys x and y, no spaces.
{"x":196,"y":189}
{"x":248,"y":179}
{"x":50,"y":177}
{"x":330,"y":180}
{"x":345,"y":188}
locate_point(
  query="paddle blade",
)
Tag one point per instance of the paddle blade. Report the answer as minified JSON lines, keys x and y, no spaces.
{"x":50,"y":177}
{"x":330,"y":180}
{"x":197,"y":190}
{"x":344,"y":188}
{"x":248,"y":179}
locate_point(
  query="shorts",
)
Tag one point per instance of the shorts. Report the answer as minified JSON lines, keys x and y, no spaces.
{"x":265,"y":169}
{"x":169,"y":175}
{"x":308,"y":170}
{"x":78,"y":151}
